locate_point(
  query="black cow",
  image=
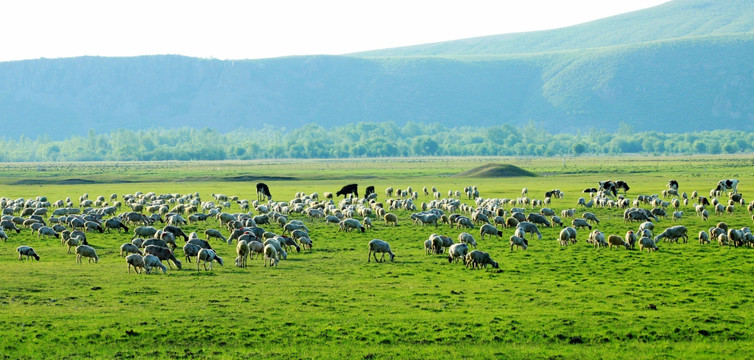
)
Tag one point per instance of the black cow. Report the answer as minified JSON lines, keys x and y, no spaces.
{"x":349,"y":189}
{"x":620,"y":184}
{"x":263,"y":191}
{"x":590,"y":190}
{"x":673,"y":184}
{"x":370,"y":191}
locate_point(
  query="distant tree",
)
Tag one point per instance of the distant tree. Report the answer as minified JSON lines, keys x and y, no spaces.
{"x":578,"y":148}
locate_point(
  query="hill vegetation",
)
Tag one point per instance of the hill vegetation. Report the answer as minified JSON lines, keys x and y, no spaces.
{"x":683,"y":66}
{"x":496,"y":171}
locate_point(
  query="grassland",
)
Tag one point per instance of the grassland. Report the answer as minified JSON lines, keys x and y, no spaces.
{"x":546,"y":302}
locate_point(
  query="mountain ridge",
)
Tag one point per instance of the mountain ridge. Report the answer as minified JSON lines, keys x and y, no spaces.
{"x":699,"y":81}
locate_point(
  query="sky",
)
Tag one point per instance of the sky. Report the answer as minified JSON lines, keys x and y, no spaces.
{"x":253,"y":29}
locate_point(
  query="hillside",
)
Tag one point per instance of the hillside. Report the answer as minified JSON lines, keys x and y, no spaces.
{"x":669,"y":78}
{"x":671,"y":20}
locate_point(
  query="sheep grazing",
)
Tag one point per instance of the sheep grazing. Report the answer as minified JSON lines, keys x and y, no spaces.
{"x":615,"y":240}
{"x":391,"y":218}
{"x":428,"y":246}
{"x":703,"y":237}
{"x":518,"y":241}
{"x":647,"y":243}
{"x":477,"y":259}
{"x":207,"y":256}
{"x":129,"y":248}
{"x":722,"y":240}
{"x":191,"y":250}
{"x":270,"y":255}
{"x":591,"y":218}
{"x":151,"y":261}
{"x":580,"y":223}
{"x":306,"y":242}
{"x":597,"y":238}
{"x":631,"y":239}
{"x":379,"y":246}
{"x":367,"y":223}
{"x":213,"y":233}
{"x":135,"y":260}
{"x":349,"y":224}
{"x":467,"y":238}
{"x":567,"y":235}
{"x":490,"y":230}
{"x":242,"y":253}
{"x":163,"y":253}
{"x":538,"y":219}
{"x":457,"y":252}
{"x":673,"y":234}
{"x":425,"y":218}
{"x":46,"y":231}
{"x":87,"y":251}
{"x":27,"y":251}
{"x":3,"y":235}
{"x":529,"y":228}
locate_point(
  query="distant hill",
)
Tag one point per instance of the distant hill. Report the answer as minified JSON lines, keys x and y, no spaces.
{"x":496,"y":171}
{"x":684,"y":65}
{"x":671,"y":20}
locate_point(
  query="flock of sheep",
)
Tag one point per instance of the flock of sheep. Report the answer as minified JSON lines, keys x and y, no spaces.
{"x":150,"y":246}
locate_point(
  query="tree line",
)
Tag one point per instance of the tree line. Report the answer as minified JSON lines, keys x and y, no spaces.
{"x":366,"y":139}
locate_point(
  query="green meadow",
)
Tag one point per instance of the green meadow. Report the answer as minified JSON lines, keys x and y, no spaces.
{"x":686,"y":300}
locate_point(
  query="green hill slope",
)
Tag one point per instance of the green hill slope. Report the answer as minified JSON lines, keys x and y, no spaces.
{"x":672,"y":20}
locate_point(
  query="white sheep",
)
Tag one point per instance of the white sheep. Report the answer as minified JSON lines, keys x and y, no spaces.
{"x":129,"y":248}
{"x":270,"y":255}
{"x":428,"y":247}
{"x":367,"y":223}
{"x":703,"y":237}
{"x":306,"y":242}
{"x":647,"y":243}
{"x":467,"y":238}
{"x":379,"y":246}
{"x":3,"y":236}
{"x":214,"y":233}
{"x":518,"y":241}
{"x":207,"y":256}
{"x":390,"y":218}
{"x":242,"y":253}
{"x":151,"y":261}
{"x":135,"y":260}
{"x":27,"y":251}
{"x":490,"y":230}
{"x":478,"y":259}
{"x":87,"y":251}
{"x":457,"y":252}
{"x":349,"y":224}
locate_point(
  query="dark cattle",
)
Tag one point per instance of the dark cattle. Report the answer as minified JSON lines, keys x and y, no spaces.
{"x":673,"y":184}
{"x":370,"y":190}
{"x":725,"y":185}
{"x":609,"y":187}
{"x":620,"y":184}
{"x":263,"y":191}
{"x":349,"y":189}
{"x":590,"y":190}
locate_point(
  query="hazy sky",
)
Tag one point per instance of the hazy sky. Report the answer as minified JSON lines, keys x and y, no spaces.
{"x":223,"y":29}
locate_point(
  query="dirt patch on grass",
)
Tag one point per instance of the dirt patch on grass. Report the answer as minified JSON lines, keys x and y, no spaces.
{"x":496,"y":170}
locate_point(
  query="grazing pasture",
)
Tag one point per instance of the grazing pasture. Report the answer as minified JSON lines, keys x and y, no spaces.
{"x":686,"y":300}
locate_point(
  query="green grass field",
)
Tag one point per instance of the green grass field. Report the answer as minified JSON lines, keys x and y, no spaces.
{"x":545,"y":302}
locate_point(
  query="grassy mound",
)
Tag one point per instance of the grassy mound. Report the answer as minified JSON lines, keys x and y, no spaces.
{"x":496,"y":170}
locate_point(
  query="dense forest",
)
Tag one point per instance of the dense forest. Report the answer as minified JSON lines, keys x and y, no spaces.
{"x":366,"y":140}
